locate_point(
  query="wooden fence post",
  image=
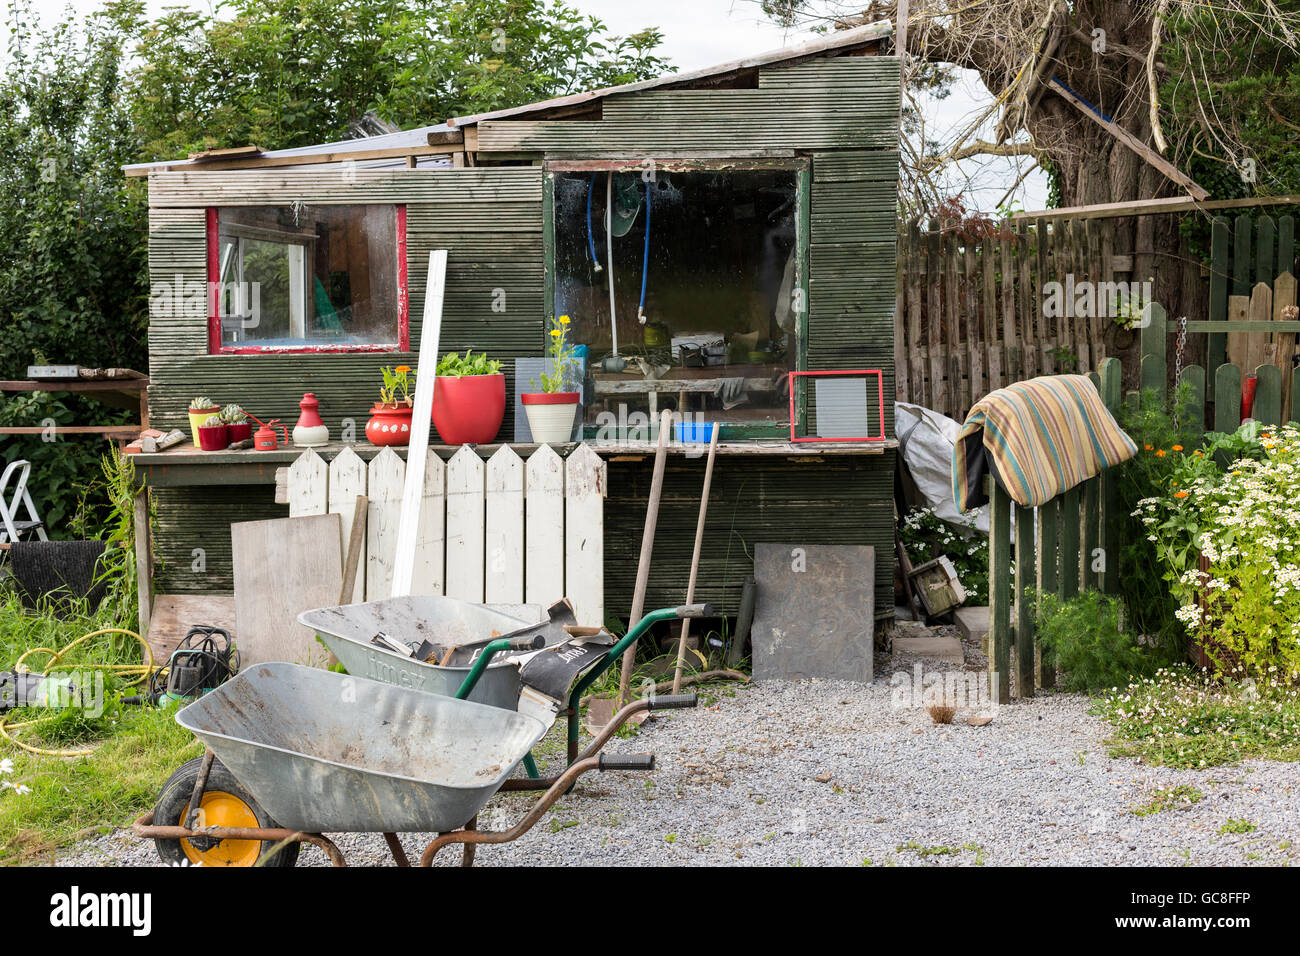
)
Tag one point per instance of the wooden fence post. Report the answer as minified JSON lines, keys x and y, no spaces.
{"x":1111,"y":374}
{"x":1227,"y":398}
{"x":1153,"y":345}
{"x":1049,"y":558}
{"x":1026,"y":576}
{"x":1070,"y":512}
{"x":999,"y":593}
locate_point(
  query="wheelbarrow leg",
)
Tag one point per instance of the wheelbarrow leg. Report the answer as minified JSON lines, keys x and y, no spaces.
{"x":530,"y":766}
{"x":395,"y":848}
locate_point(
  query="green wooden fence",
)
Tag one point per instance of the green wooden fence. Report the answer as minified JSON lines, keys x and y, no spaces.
{"x":1243,"y":253}
{"x":1070,"y":543}
{"x":1060,"y":548}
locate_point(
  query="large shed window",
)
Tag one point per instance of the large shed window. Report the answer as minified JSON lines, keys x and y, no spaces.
{"x":307,"y":278}
{"x":706,"y":308}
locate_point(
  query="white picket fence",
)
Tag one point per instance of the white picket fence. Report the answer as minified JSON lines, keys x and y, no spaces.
{"x":504,"y":531}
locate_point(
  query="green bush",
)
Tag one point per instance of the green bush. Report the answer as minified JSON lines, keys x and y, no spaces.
{"x":1092,"y":646}
{"x":926,"y":536}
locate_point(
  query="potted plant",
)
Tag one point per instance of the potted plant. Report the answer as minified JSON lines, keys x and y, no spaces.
{"x":390,"y":418}
{"x":201,"y":409}
{"x":551,"y":410}
{"x":240,"y":428}
{"x":469,"y":399}
{"x":214,"y":434}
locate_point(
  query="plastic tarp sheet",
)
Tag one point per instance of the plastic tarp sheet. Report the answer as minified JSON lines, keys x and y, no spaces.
{"x":926,"y":440}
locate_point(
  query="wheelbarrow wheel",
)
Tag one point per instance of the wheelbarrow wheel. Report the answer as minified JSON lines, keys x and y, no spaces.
{"x":225,"y":804}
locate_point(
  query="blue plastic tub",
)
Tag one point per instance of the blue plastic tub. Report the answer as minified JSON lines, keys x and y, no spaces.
{"x":695,"y":431}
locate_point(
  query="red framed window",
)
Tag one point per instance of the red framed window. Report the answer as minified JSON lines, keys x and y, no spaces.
{"x":307,"y":278}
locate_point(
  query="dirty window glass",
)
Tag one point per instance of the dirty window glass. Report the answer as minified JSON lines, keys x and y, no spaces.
{"x":705,"y":298}
{"x":308,"y":276}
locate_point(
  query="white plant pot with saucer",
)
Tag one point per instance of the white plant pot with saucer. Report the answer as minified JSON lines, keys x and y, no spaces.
{"x":551,"y":415}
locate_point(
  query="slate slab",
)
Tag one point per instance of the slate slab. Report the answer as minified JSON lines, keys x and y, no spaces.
{"x":815,"y":613}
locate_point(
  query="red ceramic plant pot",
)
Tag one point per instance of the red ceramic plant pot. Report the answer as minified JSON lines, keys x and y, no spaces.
{"x":389,"y":424}
{"x":214,"y":437}
{"x":240,"y":431}
{"x":468,"y":410}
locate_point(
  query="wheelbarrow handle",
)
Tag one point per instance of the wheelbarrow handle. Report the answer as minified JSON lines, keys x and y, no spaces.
{"x":528,"y":642}
{"x":627,"y":762}
{"x":672,"y":701}
{"x":695,"y":610}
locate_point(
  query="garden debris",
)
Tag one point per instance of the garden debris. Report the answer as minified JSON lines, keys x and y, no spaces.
{"x":979,"y":721}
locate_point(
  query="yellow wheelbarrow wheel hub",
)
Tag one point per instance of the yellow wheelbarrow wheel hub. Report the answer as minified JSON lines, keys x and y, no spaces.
{"x":221,"y":809}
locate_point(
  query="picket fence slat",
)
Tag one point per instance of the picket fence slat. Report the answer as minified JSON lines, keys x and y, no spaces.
{"x":347,"y":480}
{"x":466,"y":531}
{"x":585,"y":481}
{"x":544,"y":527}
{"x":1024,"y":604}
{"x":505,"y":528}
{"x":386,"y":477}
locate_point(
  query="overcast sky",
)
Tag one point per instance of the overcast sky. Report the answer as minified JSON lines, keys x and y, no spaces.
{"x":700,"y":33}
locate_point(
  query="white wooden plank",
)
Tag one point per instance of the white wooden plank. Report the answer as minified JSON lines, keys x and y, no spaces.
{"x":584,"y":535}
{"x":385,"y":478}
{"x":465,"y":525}
{"x":544,"y":527}
{"x":505,"y":528}
{"x":417,"y":454}
{"x":347,"y":479}
{"x":427,"y":573}
{"x":308,"y":485}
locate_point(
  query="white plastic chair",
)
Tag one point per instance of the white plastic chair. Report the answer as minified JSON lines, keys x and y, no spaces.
{"x":10,"y":525}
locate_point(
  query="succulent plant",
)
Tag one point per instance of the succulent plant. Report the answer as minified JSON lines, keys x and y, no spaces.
{"x":201,"y":403}
{"x":212,"y":420}
{"x":233,"y":415}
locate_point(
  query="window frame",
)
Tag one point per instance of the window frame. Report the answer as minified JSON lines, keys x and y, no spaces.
{"x":215,"y":345}
{"x":801,"y":166}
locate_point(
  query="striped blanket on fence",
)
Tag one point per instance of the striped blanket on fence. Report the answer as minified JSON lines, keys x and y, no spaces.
{"x":1039,"y":438}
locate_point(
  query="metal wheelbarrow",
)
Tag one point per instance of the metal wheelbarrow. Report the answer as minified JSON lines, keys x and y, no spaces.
{"x":490,"y":678}
{"x":294,"y":752}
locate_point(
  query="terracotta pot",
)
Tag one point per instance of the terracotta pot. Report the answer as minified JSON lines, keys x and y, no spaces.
{"x":389,"y":424}
{"x":240,"y":431}
{"x":550,"y":415}
{"x":214,"y":437}
{"x":468,"y":410}
{"x":197,"y":417}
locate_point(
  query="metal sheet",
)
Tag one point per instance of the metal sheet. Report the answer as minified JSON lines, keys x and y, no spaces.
{"x":815,"y":611}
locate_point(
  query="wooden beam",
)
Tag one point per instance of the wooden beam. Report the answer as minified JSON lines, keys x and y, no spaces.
{"x":297,"y":159}
{"x":1152,"y":207}
{"x":230,"y":152}
{"x":1128,"y":139}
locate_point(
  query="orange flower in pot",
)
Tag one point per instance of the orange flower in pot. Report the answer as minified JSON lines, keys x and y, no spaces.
{"x":469,"y":399}
{"x":390,"y":418}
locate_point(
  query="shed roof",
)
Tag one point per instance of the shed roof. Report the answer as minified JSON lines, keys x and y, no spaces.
{"x":389,"y":151}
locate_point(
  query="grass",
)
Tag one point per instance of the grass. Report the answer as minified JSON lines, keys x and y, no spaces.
{"x":1235,"y":825}
{"x":1188,"y":720}
{"x":1168,"y":798}
{"x":133,"y":749}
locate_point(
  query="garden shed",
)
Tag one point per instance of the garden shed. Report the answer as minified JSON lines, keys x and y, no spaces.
{"x":752,"y":227}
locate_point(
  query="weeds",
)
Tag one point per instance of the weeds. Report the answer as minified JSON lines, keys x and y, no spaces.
{"x":1169,"y":798}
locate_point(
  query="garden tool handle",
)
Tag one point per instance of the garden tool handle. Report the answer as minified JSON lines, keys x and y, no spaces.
{"x":627,"y":762}
{"x":528,"y":642}
{"x":672,"y":701}
{"x":695,"y":610}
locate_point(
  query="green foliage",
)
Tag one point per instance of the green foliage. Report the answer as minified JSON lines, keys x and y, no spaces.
{"x":926,"y":536}
{"x":72,"y":228}
{"x":1164,"y":443}
{"x":285,"y":73}
{"x":397,"y":386}
{"x":455,"y":365}
{"x":107,"y":510}
{"x":1180,"y":718}
{"x":1244,"y":609}
{"x":1235,"y":97}
{"x":1090,"y":642}
{"x":1168,"y":798}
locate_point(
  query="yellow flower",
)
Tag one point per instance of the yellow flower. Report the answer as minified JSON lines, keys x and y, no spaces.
{"x":564,"y":320}
{"x":556,"y":333}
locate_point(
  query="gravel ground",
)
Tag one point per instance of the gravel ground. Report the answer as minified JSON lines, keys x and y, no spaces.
{"x":830,"y":772}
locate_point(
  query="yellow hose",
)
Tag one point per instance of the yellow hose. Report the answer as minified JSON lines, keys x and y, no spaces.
{"x":140,"y":672}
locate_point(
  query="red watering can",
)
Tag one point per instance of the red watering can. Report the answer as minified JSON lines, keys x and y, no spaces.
{"x":264,"y":439}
